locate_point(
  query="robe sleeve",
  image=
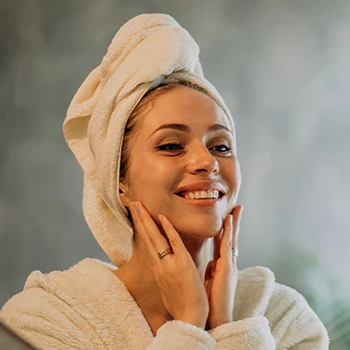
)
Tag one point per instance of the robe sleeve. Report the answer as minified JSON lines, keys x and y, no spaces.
{"x":251,"y":333}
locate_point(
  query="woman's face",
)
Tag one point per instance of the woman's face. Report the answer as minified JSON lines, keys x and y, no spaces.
{"x":182,"y":152}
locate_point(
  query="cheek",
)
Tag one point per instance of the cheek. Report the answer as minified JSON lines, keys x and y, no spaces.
{"x":152,"y":181}
{"x":232,"y":176}
{"x":153,"y":185}
{"x":238,"y":177}
{"x":162,"y":181}
{"x":231,"y":173}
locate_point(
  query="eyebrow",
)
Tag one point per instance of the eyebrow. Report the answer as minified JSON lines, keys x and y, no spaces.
{"x":186,"y":128}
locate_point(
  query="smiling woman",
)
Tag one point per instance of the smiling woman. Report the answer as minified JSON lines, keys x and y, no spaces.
{"x":161,"y":180}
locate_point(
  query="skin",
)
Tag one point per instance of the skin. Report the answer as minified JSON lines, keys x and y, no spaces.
{"x":161,"y":287}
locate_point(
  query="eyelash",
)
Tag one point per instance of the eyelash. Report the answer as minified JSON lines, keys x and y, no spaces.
{"x":166,"y":146}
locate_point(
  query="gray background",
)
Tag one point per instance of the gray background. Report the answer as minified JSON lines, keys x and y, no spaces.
{"x":281,"y":66}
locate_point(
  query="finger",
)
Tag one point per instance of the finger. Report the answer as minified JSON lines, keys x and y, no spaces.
{"x":217,"y":244}
{"x":138,"y":226}
{"x":237,"y":214}
{"x":235,"y":231}
{"x":157,"y":240}
{"x":148,"y":231}
{"x":174,"y":238}
{"x":226,"y":240}
{"x":124,"y":199}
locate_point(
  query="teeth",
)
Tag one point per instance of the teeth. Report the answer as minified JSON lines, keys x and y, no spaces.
{"x":202,"y":194}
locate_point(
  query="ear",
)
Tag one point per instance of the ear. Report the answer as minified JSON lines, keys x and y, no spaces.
{"x":122,"y":193}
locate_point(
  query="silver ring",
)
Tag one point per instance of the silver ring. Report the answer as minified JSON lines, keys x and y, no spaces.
{"x":235,"y":252}
{"x":164,"y":252}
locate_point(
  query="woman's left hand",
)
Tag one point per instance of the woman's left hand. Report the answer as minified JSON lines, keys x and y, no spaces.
{"x":220,"y":278}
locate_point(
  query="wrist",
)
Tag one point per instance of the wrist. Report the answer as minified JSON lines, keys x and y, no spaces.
{"x":211,"y":324}
{"x":196,"y":320}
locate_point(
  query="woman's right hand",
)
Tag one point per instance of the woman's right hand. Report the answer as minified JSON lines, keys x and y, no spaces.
{"x":182,"y":290}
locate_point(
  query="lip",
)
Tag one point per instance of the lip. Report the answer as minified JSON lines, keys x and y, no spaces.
{"x":204,"y":185}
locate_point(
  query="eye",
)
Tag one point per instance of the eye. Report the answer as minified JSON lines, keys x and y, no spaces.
{"x":171,"y":146}
{"x":222,"y":148}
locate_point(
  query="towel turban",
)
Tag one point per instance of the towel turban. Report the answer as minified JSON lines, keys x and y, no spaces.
{"x":148,"y":50}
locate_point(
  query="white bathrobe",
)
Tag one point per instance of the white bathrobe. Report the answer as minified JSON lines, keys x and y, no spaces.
{"x":88,"y":307}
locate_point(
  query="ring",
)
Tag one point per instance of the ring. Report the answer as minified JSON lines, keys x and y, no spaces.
{"x":235,"y":252}
{"x":164,"y":252}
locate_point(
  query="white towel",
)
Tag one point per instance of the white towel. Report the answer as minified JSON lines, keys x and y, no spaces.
{"x":148,"y":50}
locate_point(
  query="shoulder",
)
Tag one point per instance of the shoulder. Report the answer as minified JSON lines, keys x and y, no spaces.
{"x":53,"y":312}
{"x":290,"y":317}
{"x":292,"y":320}
{"x":254,"y":288}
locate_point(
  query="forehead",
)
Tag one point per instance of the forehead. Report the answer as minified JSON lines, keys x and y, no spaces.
{"x":184,"y":105}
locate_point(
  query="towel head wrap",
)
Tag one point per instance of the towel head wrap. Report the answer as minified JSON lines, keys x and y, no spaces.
{"x":149,"y":50}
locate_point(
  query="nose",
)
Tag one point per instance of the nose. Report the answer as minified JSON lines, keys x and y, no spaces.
{"x":201,"y":160}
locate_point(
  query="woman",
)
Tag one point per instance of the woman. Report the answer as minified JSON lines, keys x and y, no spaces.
{"x":161,"y":178}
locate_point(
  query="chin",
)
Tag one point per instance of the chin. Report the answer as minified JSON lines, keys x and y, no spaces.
{"x":200,"y":227}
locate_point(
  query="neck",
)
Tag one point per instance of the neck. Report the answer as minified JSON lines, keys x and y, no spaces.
{"x":200,"y":251}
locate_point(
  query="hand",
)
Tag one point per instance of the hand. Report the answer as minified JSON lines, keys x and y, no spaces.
{"x":220,"y":278}
{"x":177,"y":277}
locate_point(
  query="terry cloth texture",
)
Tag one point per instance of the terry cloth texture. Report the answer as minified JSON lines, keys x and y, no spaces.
{"x":89,"y":307}
{"x":148,"y":50}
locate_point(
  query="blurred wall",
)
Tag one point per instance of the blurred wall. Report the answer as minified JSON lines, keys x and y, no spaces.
{"x":281,"y":66}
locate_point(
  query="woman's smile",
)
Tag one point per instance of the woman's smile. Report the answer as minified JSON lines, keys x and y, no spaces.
{"x":201,"y":202}
{"x":203,"y":193}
